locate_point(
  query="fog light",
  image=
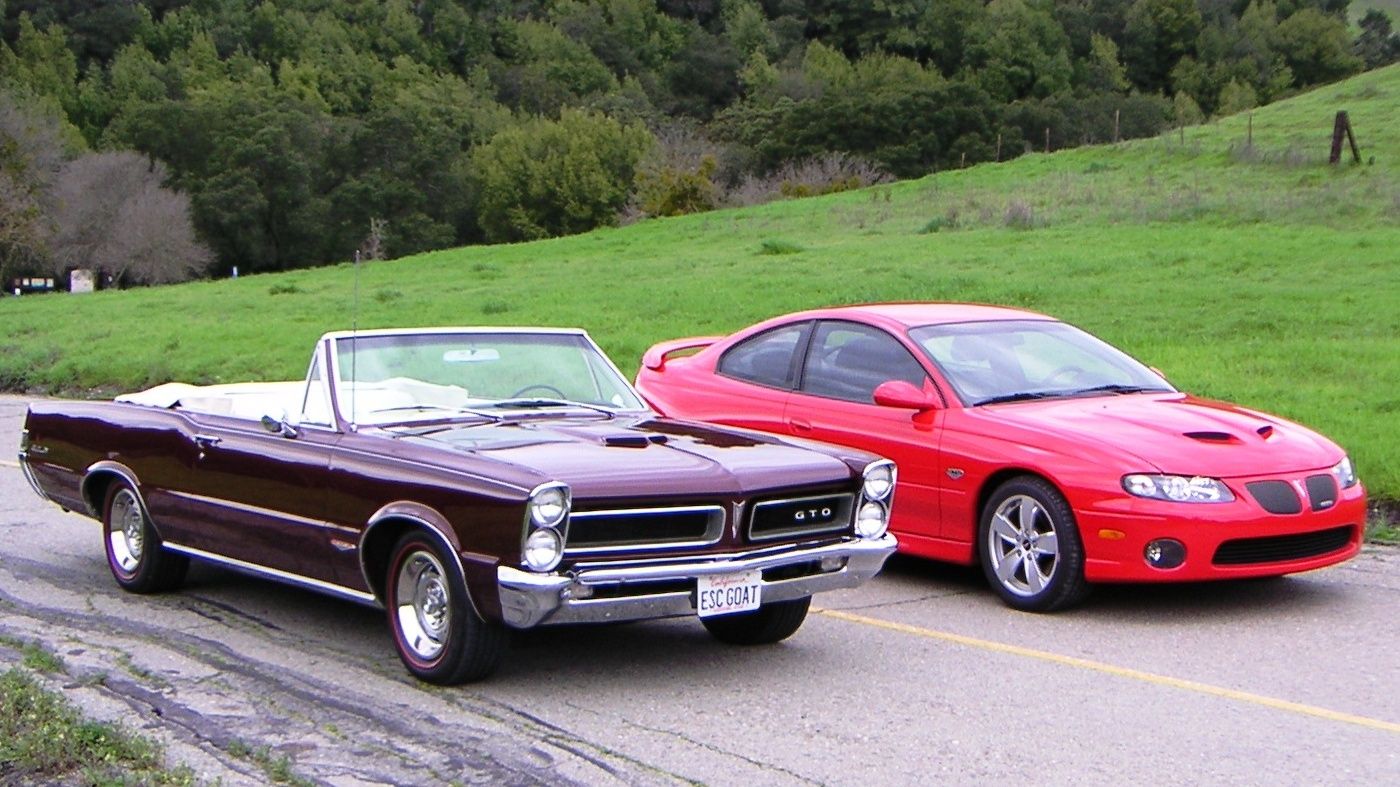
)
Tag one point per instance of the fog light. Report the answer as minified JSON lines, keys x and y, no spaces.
{"x":1165,"y":553}
{"x":578,"y":590}
{"x":830,"y":564}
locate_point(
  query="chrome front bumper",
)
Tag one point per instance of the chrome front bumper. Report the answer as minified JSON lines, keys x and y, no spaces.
{"x":29,"y":476}
{"x":602,"y":592}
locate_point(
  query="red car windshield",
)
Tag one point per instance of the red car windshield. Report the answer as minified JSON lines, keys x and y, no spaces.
{"x":1014,"y":360}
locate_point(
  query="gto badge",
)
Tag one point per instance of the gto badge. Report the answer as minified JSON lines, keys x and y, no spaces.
{"x":813,"y":514}
{"x":955,"y":473}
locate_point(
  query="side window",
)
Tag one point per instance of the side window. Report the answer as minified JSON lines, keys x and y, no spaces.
{"x":849,"y":361}
{"x":765,"y":359}
{"x":315,"y":406}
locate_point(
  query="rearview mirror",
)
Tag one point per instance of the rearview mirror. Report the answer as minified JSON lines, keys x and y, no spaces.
{"x":904,"y":395}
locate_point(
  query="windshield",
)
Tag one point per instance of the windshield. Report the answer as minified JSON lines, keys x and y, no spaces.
{"x":409,"y":377}
{"x":1013,"y":360}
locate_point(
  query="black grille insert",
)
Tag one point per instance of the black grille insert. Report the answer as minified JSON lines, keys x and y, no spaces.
{"x":641,"y":527}
{"x":1273,"y":549}
{"x":1322,"y":492}
{"x":800,"y":516}
{"x":1276,"y":497}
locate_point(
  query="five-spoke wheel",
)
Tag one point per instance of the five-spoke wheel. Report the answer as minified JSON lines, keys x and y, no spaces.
{"x":1029,"y":546}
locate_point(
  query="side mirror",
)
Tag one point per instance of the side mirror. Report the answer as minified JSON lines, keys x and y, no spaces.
{"x":279,"y":426}
{"x":904,"y":395}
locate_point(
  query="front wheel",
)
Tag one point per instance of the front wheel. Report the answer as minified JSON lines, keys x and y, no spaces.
{"x":1030,"y":548}
{"x":139,"y":562}
{"x":440,"y":637}
{"x":771,"y":622}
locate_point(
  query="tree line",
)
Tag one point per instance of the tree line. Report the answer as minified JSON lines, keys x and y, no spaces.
{"x":163,"y":139}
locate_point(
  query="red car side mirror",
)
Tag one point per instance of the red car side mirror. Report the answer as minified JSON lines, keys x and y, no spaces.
{"x":904,"y":395}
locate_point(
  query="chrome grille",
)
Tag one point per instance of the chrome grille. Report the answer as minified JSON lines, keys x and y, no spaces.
{"x":622,"y":529}
{"x":800,"y":516}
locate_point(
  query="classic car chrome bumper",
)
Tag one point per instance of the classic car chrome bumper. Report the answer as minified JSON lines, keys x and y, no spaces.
{"x":637,"y":590}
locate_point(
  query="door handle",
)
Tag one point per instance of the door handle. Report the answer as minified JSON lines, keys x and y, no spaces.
{"x":799,"y":426}
{"x":206,"y":441}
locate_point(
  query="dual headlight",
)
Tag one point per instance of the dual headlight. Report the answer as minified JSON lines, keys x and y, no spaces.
{"x":873,"y":515}
{"x":545,"y":518}
{"x":1178,"y":488}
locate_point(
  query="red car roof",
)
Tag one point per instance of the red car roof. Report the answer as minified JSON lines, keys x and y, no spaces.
{"x":915,"y":314}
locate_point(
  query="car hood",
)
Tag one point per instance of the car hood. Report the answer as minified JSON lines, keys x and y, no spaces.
{"x":1176,"y":433}
{"x":642,"y":456}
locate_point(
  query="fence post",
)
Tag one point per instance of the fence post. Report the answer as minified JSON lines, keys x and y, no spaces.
{"x":1047,"y":139}
{"x":1340,"y":128}
{"x":1115,"y":125}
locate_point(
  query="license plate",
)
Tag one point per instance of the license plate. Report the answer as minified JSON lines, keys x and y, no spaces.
{"x":728,"y":593}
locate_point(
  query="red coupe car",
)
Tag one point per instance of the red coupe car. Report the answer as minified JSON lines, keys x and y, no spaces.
{"x":1029,"y":447}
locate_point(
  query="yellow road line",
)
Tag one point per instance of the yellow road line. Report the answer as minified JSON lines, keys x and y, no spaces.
{"x":8,"y":463}
{"x":1122,"y":672}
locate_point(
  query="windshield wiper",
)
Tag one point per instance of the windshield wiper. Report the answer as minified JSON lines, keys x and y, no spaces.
{"x":1020,"y":396}
{"x":528,"y":403}
{"x":1118,"y":388}
{"x":445,"y":408}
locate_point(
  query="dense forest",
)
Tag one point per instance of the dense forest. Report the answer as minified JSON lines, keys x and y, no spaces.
{"x":164,"y":139}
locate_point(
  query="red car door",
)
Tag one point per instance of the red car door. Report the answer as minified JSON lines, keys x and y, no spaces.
{"x":834,"y":402}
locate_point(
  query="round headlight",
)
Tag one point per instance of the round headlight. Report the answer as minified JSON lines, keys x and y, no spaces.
{"x":871,"y":520}
{"x":543,"y":549}
{"x":548,"y":506}
{"x":879,"y":481}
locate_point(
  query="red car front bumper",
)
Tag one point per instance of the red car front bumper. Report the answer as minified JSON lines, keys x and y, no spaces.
{"x":1232,"y":540}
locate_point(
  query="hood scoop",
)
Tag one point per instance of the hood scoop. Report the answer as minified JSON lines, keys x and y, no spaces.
{"x":1212,"y":437}
{"x":634,"y":440}
{"x":1265,"y":431}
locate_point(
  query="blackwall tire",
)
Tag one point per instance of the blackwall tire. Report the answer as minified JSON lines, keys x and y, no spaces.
{"x":1029,"y":546}
{"x":770,"y":623}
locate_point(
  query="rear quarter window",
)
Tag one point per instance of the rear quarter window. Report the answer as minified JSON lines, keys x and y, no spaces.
{"x":765,"y":359}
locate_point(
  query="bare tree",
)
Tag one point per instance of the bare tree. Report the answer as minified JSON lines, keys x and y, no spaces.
{"x":112,"y":213}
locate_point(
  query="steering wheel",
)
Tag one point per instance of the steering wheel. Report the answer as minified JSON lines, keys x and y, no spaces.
{"x":1068,"y":371}
{"x":539,"y":387}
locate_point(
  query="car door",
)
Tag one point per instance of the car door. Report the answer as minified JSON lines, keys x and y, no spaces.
{"x":258,"y":496}
{"x":843,"y":364}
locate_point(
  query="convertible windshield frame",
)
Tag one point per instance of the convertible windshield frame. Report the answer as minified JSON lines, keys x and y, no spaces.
{"x":411,"y":376}
{"x":1006,"y":361}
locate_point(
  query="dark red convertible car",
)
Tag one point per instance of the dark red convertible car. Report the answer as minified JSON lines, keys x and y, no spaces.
{"x":471,"y":481}
{"x":1030,"y":447}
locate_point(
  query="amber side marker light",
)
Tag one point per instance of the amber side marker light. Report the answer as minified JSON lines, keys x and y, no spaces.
{"x":1112,"y":535}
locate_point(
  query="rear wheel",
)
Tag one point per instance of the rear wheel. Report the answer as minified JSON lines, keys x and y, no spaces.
{"x":1030,"y":548}
{"x":771,"y":622}
{"x":135,"y":554}
{"x":439,"y":636}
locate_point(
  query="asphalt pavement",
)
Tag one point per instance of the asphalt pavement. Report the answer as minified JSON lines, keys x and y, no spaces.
{"x":919,"y":677}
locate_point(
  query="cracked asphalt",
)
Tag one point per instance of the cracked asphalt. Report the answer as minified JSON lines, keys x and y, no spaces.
{"x":920,"y":677}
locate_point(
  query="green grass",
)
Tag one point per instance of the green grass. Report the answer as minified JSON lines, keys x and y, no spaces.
{"x":1255,"y":273}
{"x":45,"y":740}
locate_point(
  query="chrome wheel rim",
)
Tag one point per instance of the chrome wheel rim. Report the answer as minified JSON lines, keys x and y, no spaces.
{"x":1023,"y":546}
{"x":423,"y":605}
{"x":126,"y":532}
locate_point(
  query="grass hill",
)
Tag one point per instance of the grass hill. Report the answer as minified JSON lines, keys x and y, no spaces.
{"x":1245,"y":267}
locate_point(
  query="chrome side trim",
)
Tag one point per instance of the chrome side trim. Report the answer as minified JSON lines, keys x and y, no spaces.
{"x":126,"y":474}
{"x":426,"y":526}
{"x":529,"y":600}
{"x":260,"y":511}
{"x":281,"y":576}
{"x":714,"y":530}
{"x":30,"y":477}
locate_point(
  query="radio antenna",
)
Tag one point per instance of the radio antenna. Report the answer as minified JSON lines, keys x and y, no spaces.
{"x":354,"y":334}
